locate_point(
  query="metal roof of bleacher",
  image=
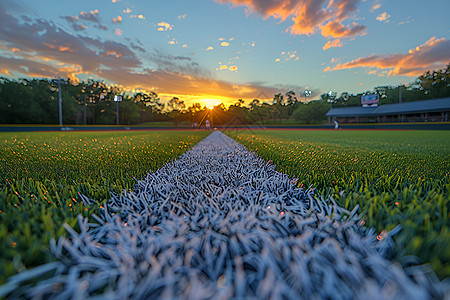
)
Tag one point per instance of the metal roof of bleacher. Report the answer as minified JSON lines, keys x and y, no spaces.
{"x":424,"y":106}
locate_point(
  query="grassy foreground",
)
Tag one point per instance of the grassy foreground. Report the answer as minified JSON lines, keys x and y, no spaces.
{"x":397,"y":177}
{"x":42,"y":175}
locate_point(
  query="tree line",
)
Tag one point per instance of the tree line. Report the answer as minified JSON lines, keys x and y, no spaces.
{"x":35,"y":101}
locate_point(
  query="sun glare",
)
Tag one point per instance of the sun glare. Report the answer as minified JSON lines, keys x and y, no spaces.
{"x":210,"y":103}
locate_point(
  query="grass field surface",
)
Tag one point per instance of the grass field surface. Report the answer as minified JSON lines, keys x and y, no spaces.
{"x":43,"y":174}
{"x":397,"y":177}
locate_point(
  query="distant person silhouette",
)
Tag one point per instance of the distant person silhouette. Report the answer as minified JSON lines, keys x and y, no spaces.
{"x":208,"y":125}
{"x":336,"y":124}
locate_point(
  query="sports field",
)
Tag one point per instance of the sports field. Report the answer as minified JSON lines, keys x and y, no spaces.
{"x":43,"y":174}
{"x":396,"y":177}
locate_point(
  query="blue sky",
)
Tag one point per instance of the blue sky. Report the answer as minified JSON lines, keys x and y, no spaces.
{"x":226,"y":49}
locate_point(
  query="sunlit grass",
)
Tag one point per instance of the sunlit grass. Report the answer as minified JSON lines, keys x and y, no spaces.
{"x":397,"y":177}
{"x":43,"y":174}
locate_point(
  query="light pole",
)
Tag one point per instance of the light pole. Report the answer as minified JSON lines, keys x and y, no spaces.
{"x":211,"y":117}
{"x":307,"y":93}
{"x":117,"y":99}
{"x":332,"y":96}
{"x":60,"y":81}
{"x":83,"y":91}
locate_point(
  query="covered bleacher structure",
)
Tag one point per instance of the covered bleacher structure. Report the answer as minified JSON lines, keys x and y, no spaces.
{"x":436,"y":110}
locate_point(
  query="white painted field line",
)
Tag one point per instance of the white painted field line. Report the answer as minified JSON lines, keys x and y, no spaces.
{"x":220,"y":222}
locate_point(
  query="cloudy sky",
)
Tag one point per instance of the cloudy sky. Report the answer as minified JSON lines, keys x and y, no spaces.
{"x":226,"y":49}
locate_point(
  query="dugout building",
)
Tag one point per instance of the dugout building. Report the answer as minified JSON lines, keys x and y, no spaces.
{"x":436,"y":110}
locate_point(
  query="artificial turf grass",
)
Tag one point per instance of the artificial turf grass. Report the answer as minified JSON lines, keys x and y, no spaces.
{"x":43,"y":175}
{"x":397,"y":177}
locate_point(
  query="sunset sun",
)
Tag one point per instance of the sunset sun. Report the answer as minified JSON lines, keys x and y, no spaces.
{"x":210,"y":103}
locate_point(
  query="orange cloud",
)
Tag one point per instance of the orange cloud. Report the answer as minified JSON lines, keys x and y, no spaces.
{"x":71,"y":72}
{"x":337,"y":30}
{"x":333,"y":44}
{"x":271,"y":8}
{"x":90,"y":16}
{"x":117,"y":20}
{"x":113,"y":53}
{"x":375,"y":6}
{"x":37,"y":68}
{"x":141,"y":17}
{"x":64,"y":48}
{"x":5,"y":72}
{"x":308,"y":15}
{"x":433,"y":54}
{"x":383,"y":17}
{"x":287,"y":56}
{"x":164,"y":26}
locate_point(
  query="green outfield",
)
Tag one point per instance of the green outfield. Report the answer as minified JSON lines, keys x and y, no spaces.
{"x":43,"y":173}
{"x":397,"y":177}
